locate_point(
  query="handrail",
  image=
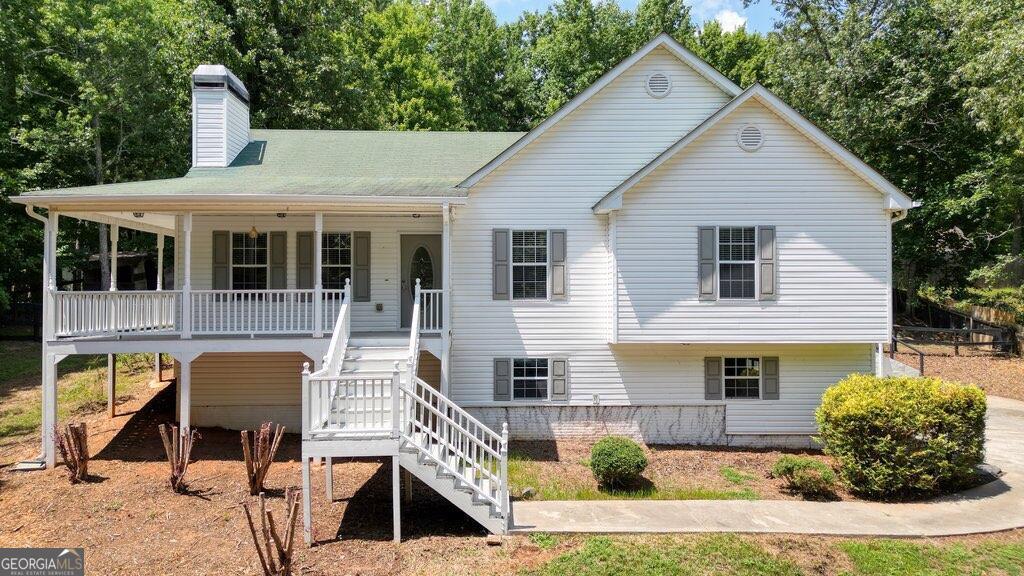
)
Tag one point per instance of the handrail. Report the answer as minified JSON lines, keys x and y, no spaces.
{"x":458,"y":434}
{"x":920,"y":354}
{"x":414,"y":333}
{"x":339,"y":337}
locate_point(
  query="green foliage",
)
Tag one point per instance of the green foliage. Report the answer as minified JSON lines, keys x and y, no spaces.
{"x":617,"y":461}
{"x":717,"y":554}
{"x":805,"y":475}
{"x":736,"y":476}
{"x":543,"y":540}
{"x":903,"y":437}
{"x":903,"y":558}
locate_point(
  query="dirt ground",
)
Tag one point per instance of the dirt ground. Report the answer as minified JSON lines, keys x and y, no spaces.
{"x":996,"y":374}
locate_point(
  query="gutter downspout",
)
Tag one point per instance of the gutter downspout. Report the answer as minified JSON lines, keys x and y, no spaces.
{"x":30,"y":210}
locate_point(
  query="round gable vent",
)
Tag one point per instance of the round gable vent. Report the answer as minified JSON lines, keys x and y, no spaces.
{"x":658,"y":85}
{"x":750,"y":138}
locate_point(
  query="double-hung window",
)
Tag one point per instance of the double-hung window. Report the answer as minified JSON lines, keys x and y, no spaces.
{"x":737,"y":262}
{"x":248,"y":261}
{"x":529,"y":264}
{"x":336,"y":257}
{"x":742,"y":378}
{"x":530,"y":379}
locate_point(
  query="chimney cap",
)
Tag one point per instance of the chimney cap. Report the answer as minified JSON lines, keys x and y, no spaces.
{"x":218,"y":73}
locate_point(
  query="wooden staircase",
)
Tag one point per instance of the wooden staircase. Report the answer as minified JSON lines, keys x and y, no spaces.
{"x":367,"y":400}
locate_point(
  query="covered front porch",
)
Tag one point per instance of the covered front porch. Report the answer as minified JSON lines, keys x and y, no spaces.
{"x":251,"y":279}
{"x":277,"y":272}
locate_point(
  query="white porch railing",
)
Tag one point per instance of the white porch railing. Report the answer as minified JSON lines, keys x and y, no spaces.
{"x":261,"y":311}
{"x":110,"y":312}
{"x":431,"y":303}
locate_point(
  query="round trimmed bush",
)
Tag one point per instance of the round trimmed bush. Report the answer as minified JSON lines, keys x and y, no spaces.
{"x":617,"y":461}
{"x":903,"y":437}
{"x":805,"y":475}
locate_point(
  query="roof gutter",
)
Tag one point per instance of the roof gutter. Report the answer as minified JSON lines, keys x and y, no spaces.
{"x":232,"y":200}
{"x":31,"y":211}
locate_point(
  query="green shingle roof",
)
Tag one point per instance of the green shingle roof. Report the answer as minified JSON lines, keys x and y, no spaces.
{"x":330,"y":162}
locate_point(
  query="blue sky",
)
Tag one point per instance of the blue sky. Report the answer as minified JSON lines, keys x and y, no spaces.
{"x":731,"y":13}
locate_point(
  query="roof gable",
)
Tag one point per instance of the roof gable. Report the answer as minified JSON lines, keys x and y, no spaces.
{"x":701,"y":67}
{"x":896,"y":199}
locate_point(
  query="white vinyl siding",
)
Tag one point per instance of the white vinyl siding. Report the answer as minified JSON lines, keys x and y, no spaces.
{"x":221,"y":127}
{"x":237,"y":126}
{"x":208,"y":130}
{"x":384,"y":246}
{"x":832,"y":242}
{"x":552,"y":184}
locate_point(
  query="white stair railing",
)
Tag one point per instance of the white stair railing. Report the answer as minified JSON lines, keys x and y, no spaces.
{"x":457,"y":443}
{"x":341,"y":333}
{"x":414,"y":334}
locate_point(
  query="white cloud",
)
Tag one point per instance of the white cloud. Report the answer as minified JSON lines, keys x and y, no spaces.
{"x":730,"y":20}
{"x":703,"y":9}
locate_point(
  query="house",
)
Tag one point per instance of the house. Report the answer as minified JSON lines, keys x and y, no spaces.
{"x":667,"y":256}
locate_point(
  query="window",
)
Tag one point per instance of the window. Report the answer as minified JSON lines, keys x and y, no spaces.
{"x":248,"y":261}
{"x":737,"y":254}
{"x":336,"y":260}
{"x":529,"y":264}
{"x":530,"y":379}
{"x":742,"y":378}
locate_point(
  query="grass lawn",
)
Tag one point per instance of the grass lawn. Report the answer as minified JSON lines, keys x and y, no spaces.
{"x":81,"y":385}
{"x":777,"y":556}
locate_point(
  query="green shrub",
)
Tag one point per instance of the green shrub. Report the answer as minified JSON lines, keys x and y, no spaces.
{"x":903,"y":436}
{"x":617,"y":461}
{"x":805,"y":475}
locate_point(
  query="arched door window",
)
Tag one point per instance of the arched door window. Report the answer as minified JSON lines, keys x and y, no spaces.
{"x":423,"y":268}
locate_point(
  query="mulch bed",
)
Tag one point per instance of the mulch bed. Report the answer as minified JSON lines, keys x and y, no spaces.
{"x":996,"y":374}
{"x":672,"y":466}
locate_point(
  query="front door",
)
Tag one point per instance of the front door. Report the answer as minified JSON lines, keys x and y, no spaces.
{"x":421,"y":258}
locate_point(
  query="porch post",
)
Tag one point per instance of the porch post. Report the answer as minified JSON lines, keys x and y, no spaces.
{"x":159,"y":262}
{"x":111,"y":382}
{"x":50,"y":277}
{"x":396,"y":500}
{"x":318,"y":285}
{"x":446,"y":295}
{"x":159,"y":288}
{"x":49,"y":424}
{"x":185,"y":389}
{"x":115,"y":231}
{"x":186,"y":284}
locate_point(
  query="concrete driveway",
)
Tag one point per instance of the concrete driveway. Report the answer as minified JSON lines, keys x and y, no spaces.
{"x":998,"y":505}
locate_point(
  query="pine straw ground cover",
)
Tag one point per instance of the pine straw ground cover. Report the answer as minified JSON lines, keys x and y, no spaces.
{"x":560,"y":471}
{"x":996,"y":374}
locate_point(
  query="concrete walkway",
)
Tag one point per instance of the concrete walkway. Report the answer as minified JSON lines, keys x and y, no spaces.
{"x":998,"y":505}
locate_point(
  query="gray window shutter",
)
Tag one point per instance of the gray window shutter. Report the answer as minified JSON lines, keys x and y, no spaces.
{"x":361,"y":266}
{"x":560,"y":379}
{"x":707,"y":253}
{"x":766,"y":246}
{"x":304,"y":260}
{"x":558,"y":266}
{"x":221,"y":260}
{"x":500,"y":263}
{"x":278,"y":244}
{"x":712,"y":378}
{"x":502,"y":379}
{"x":770,"y":378}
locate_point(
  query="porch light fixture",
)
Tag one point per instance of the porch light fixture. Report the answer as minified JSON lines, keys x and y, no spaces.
{"x":415,"y":215}
{"x":281,"y":214}
{"x":254,"y":233}
{"x":138,"y":214}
